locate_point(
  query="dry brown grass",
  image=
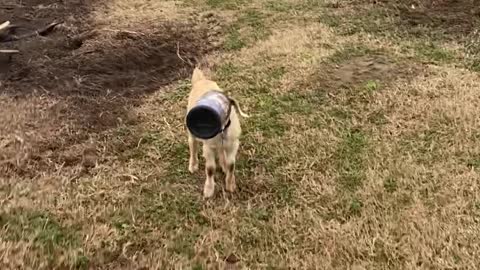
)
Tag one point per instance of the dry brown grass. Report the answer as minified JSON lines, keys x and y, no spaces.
{"x":358,"y":155}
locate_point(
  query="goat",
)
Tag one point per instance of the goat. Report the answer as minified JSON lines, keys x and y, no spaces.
{"x":225,"y":144}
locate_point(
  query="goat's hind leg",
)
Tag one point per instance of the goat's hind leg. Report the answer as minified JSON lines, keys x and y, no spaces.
{"x":210,"y":166}
{"x":230,"y":157}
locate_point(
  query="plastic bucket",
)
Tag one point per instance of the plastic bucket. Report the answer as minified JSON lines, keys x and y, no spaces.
{"x":209,"y":115}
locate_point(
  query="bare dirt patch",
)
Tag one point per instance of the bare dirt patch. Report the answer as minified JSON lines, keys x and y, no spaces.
{"x":454,"y":17}
{"x":92,"y":75}
{"x":435,"y":20}
{"x":451,"y":17}
{"x":360,"y":71}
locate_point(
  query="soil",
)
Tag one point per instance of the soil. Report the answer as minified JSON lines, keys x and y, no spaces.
{"x":94,"y":76}
{"x":453,"y":18}
{"x":355,"y":72}
{"x":359,"y":70}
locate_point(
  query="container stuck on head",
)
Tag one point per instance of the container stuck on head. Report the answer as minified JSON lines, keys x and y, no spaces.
{"x":210,"y":115}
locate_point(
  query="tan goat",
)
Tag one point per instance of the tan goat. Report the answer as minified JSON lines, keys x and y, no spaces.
{"x":224,"y":144}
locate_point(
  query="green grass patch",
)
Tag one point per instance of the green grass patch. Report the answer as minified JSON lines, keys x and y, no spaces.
{"x":227,"y":4}
{"x":254,"y":233}
{"x":348,"y":18}
{"x":474,"y":65}
{"x":342,"y":208}
{"x":160,"y":208}
{"x":372,"y":86}
{"x":278,"y":6}
{"x":377,"y":117}
{"x":41,"y":227}
{"x":184,"y":244}
{"x":425,"y":145}
{"x":309,"y":5}
{"x":430,"y":52}
{"x":474,"y":162}
{"x":197,"y":267}
{"x":180,"y":92}
{"x":47,"y":234}
{"x":234,"y":40}
{"x":340,"y":114}
{"x":351,"y":51}
{"x":252,"y":17}
{"x":350,"y":160}
{"x":177,"y":156}
{"x":267,"y":109}
{"x":250,"y":27}
{"x":172,"y":210}
{"x":284,"y":191}
{"x":270,"y":122}
{"x":227,"y":71}
{"x":390,"y":184}
{"x":305,"y":103}
{"x":355,"y":207}
{"x":276,"y":73}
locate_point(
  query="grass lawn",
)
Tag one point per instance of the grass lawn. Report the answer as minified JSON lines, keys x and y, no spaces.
{"x":361,"y":151}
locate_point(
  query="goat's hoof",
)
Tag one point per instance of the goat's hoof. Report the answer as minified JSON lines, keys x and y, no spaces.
{"x":208,"y":191}
{"x":193,"y":168}
{"x":230,"y":187}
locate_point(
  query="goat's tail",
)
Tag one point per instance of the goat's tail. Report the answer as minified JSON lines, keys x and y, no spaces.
{"x":237,"y":107}
{"x":197,"y":75}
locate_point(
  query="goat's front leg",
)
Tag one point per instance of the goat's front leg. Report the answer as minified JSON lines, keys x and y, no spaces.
{"x":230,"y":157}
{"x":210,"y":166}
{"x":221,"y":159}
{"x":193,"y":148}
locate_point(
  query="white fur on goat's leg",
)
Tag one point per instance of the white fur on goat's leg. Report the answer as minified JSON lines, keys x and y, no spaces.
{"x":221,"y":159}
{"x":193,"y":148}
{"x":210,"y":166}
{"x":230,"y":157}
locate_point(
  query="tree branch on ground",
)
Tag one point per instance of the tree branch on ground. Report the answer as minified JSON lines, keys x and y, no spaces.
{"x":8,"y":30}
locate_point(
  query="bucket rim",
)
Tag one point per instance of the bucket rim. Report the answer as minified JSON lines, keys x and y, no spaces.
{"x":200,"y":135}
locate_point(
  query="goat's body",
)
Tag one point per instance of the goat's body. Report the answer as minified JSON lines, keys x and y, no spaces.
{"x":224,"y":145}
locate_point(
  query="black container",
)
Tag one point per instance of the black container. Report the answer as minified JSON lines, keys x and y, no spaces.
{"x":209,"y":115}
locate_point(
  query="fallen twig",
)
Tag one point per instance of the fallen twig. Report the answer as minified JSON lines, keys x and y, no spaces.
{"x":7,"y":30}
{"x":123,"y":31}
{"x":180,"y":57}
{"x":11,"y":6}
{"x":4,"y":25}
{"x":9,"y":51}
